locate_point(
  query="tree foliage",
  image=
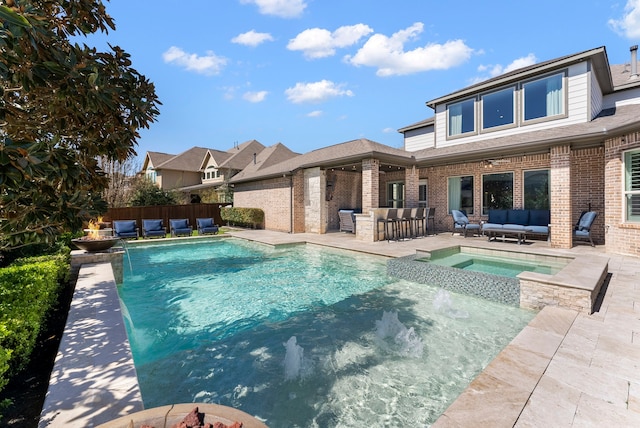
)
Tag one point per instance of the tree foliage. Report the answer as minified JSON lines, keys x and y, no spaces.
{"x":63,"y":106}
{"x":145,"y":193}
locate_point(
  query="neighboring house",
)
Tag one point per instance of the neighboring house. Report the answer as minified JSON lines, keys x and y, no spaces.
{"x":198,"y":168}
{"x":563,"y":134}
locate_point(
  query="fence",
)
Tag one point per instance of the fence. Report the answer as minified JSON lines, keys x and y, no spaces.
{"x":166,"y":212}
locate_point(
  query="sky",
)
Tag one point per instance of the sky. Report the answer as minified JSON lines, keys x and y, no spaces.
{"x":314,"y":73}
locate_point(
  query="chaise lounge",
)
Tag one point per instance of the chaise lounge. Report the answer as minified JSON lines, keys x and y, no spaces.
{"x":125,"y":229}
{"x":206,"y":226}
{"x":153,"y":228}
{"x":180,"y":227}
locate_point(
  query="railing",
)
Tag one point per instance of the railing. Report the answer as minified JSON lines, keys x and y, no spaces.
{"x":166,"y":212}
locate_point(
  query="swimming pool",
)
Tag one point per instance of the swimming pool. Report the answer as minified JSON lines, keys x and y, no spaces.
{"x":215,"y":321}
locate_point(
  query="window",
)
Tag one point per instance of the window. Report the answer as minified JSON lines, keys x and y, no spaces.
{"x":395,"y":195}
{"x":460,"y":194}
{"x":461,"y":117}
{"x":423,"y":198}
{"x":497,"y":192}
{"x":543,"y":98}
{"x":536,"y":190}
{"x":152,"y":175}
{"x":497,"y":108}
{"x":632,"y":185}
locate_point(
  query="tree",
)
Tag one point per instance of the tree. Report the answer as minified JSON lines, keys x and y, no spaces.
{"x":62,"y":107}
{"x":144,"y":192}
{"x":121,"y":175}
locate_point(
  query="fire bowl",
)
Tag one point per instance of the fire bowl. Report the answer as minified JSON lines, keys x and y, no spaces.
{"x":93,"y":245}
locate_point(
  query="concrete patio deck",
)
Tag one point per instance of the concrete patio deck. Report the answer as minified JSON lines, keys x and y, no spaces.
{"x":564,"y":369}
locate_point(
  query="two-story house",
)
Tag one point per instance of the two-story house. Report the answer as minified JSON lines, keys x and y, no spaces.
{"x":563,"y":134}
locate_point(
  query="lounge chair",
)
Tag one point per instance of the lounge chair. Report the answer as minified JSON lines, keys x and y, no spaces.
{"x":125,"y":229}
{"x":347,"y":221}
{"x":462,"y":224}
{"x":583,"y":228}
{"x":180,"y":227}
{"x":206,"y":226}
{"x":153,"y":228}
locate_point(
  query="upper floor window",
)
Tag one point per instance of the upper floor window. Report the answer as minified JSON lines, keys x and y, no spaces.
{"x":543,"y":97}
{"x":632,"y":185}
{"x":498,"y":108}
{"x":461,"y":117}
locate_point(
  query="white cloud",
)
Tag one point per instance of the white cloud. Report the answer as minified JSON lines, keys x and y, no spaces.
{"x":252,"y":38}
{"x":315,"y":113}
{"x":320,"y":43}
{"x":629,"y":25}
{"x":209,"y":64}
{"x":389,"y":56}
{"x":388,"y":130}
{"x":280,"y":8}
{"x":316,"y":92}
{"x":255,"y":97}
{"x":497,"y":69}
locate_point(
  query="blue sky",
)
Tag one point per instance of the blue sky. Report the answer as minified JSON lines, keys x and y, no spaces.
{"x":313,"y":73}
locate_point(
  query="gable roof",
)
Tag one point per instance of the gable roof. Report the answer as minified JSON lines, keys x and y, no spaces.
{"x":270,"y":156}
{"x":242,"y":155}
{"x":155,"y":158}
{"x":597,"y":56}
{"x":189,"y":160}
{"x":218,"y":156}
{"x":331,"y":156}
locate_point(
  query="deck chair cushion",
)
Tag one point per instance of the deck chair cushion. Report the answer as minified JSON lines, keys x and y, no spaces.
{"x":586,"y":220}
{"x":179,"y":224}
{"x":151,"y":225}
{"x":122,"y":226}
{"x":205,"y":222}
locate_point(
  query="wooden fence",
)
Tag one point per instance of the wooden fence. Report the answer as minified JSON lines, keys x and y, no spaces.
{"x":166,"y":212}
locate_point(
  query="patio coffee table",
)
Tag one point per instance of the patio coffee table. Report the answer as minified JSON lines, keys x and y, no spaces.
{"x":520,"y":234}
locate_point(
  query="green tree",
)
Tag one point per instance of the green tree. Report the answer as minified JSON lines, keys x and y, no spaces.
{"x":145,"y":192}
{"x":62,"y":107}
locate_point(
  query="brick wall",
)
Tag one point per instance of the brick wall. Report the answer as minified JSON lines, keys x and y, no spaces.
{"x":272,"y":196}
{"x":621,"y":237}
{"x":587,"y":188}
{"x":560,"y":192}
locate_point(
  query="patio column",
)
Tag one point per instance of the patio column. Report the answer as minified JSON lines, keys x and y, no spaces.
{"x":370,"y":184}
{"x":411,"y":192}
{"x":560,"y":189}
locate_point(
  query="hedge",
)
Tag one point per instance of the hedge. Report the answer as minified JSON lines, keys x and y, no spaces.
{"x":29,"y":288}
{"x":245,"y":217}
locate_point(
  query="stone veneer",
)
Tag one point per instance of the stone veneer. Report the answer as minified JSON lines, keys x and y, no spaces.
{"x":576,"y":286}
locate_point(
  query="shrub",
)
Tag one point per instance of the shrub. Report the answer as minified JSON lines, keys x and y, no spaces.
{"x":29,"y":288}
{"x":246,"y":217}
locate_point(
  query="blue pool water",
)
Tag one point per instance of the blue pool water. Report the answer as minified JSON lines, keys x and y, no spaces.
{"x":303,"y":336}
{"x":503,"y":266}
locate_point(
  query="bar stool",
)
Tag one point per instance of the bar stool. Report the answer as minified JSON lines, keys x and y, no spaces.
{"x":403,"y":223}
{"x":389,"y":221}
{"x":431,"y":217}
{"x":418,"y":220}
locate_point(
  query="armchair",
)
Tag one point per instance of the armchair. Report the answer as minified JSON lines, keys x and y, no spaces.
{"x":153,"y":228}
{"x":125,"y":229}
{"x":206,"y":226}
{"x":180,"y":227}
{"x":462,"y":224}
{"x":583,"y":228}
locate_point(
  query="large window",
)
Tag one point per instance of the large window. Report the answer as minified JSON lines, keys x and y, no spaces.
{"x":460,"y":194}
{"x":461,"y":117}
{"x":536,"y":190}
{"x":632,"y":185}
{"x":151,"y":175}
{"x":497,"y":192}
{"x":498,"y":108}
{"x":395,"y":194}
{"x":543,"y":98}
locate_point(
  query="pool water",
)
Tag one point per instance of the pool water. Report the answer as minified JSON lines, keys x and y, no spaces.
{"x":496,"y":265}
{"x":303,"y":336}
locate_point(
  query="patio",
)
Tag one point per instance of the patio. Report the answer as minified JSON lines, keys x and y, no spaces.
{"x":564,"y":369}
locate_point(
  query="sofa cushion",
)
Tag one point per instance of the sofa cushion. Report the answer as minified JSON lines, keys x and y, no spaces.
{"x":150,"y":225}
{"x":488,"y":226}
{"x":179,"y":224}
{"x":539,"y":217}
{"x":497,"y":216}
{"x":510,"y":226}
{"x":123,"y":226}
{"x":205,"y":222}
{"x":518,"y":217}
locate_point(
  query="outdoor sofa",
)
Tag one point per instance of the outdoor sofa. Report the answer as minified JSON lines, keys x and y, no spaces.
{"x":518,"y":223}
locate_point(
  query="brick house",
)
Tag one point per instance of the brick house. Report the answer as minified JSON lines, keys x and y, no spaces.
{"x":562,"y":134}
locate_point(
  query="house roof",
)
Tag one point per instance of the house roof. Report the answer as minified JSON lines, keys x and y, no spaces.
{"x":242,"y":155}
{"x":219,"y":157}
{"x":598,"y":57}
{"x":421,"y":124}
{"x":608,"y":123}
{"x":189,"y":160}
{"x":155,"y":158}
{"x":270,"y":156}
{"x":331,"y":156}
